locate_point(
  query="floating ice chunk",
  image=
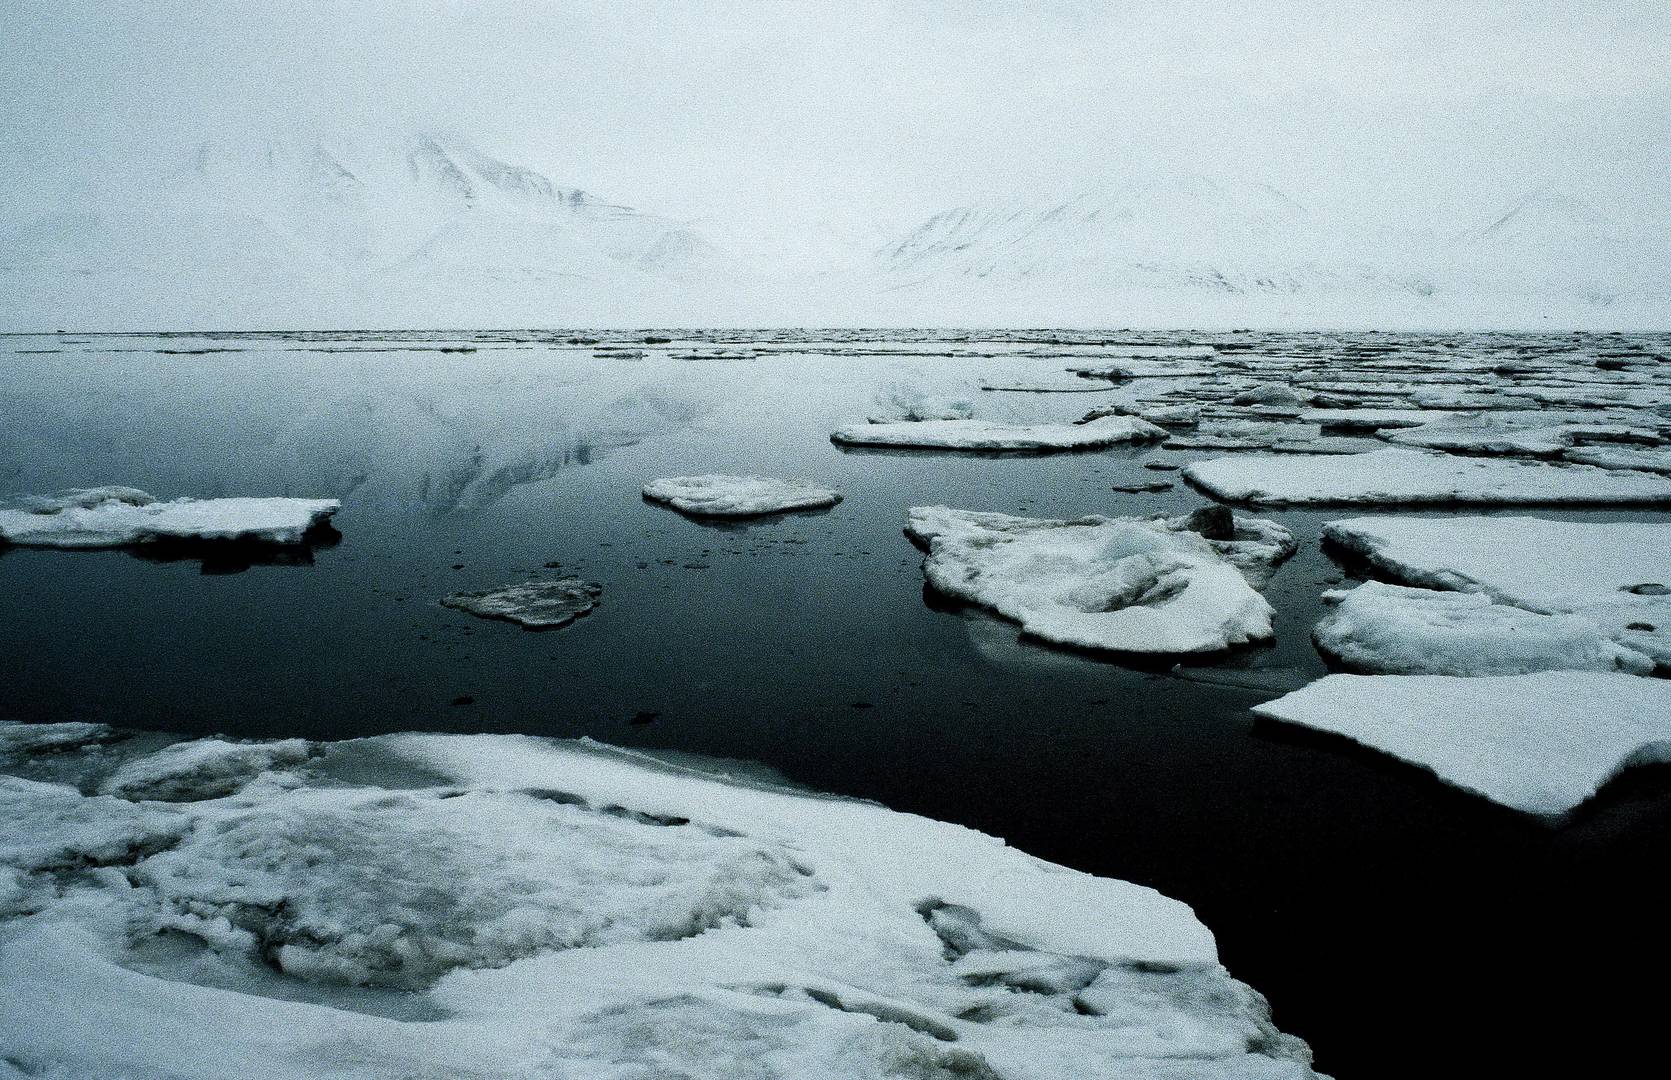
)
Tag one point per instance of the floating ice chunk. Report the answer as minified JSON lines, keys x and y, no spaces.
{"x":1243,"y":435}
{"x":986,"y":435}
{"x":1270,"y":394}
{"x":1134,"y":585}
{"x":535,"y":605}
{"x":1392,"y":630}
{"x":1541,"y":743}
{"x":1657,"y":460}
{"x":1412,"y":477}
{"x":1616,"y":575}
{"x":738,"y":496}
{"x":119,"y":517}
{"x":205,"y":769}
{"x":1474,"y":435}
{"x":1155,"y":413}
{"x":905,"y":403}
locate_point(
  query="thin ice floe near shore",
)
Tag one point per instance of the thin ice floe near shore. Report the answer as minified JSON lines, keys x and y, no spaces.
{"x":717,"y":496}
{"x":578,"y":911}
{"x":106,"y":517}
{"x":1541,"y":743}
{"x":1129,"y":585}
{"x":991,"y":435}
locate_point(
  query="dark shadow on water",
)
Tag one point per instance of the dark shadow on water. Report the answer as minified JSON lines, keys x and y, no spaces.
{"x":236,"y":556}
{"x":739,"y":524}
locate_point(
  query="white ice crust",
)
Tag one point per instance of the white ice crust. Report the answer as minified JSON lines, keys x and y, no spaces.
{"x":1134,"y":585}
{"x":474,"y":906}
{"x":1411,"y":477}
{"x":713,"y":495}
{"x":119,"y":517}
{"x":988,"y":435}
{"x":1541,"y":743}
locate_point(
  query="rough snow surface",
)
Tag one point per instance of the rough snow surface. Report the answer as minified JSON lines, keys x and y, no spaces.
{"x":988,"y":435}
{"x":713,"y":495}
{"x":1392,"y":630}
{"x":1541,"y":743}
{"x":1615,"y":575}
{"x":503,"y":906}
{"x":537,"y":605}
{"x":1412,"y":477}
{"x":118,"y":517}
{"x":1133,"y":585}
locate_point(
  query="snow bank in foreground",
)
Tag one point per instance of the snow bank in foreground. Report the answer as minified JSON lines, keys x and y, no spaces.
{"x":117,"y":517}
{"x":582,"y":912}
{"x":534,"y":605}
{"x":987,"y":435}
{"x":1135,"y":585}
{"x":1541,"y":743}
{"x":1392,"y":630}
{"x":1616,"y":575}
{"x":713,"y":495}
{"x":1410,"y":477}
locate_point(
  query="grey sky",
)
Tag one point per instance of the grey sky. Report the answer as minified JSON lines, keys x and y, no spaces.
{"x":774,"y":114}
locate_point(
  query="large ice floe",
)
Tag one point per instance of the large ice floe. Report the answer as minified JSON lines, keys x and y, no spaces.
{"x":1394,"y":630}
{"x":713,"y":495}
{"x":533,"y":605}
{"x":1541,"y":743}
{"x":1398,"y":477}
{"x":492,"y":906}
{"x":106,"y":517}
{"x":1155,"y":585}
{"x":989,"y":435}
{"x":1616,"y":576}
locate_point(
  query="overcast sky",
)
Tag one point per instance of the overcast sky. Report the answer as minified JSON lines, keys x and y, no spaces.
{"x":770,"y":115}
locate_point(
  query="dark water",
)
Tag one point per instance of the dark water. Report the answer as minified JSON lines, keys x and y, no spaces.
{"x":1401,"y":927}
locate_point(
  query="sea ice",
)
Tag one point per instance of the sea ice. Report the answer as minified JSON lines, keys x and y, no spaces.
{"x":1134,"y":585}
{"x":987,"y":435}
{"x":1392,"y":630}
{"x":535,"y":605}
{"x":1541,"y":743}
{"x":1411,"y":477}
{"x":118,"y":517}
{"x":738,"y":496}
{"x":1654,"y":460}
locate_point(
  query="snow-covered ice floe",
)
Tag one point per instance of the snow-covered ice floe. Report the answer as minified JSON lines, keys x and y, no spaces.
{"x":1394,"y":630}
{"x":106,"y":517}
{"x":535,"y":605}
{"x":487,"y":906}
{"x":713,"y":495}
{"x":1614,"y":575}
{"x":988,"y":435}
{"x":1412,"y":477}
{"x":1152,"y":585}
{"x":1541,"y":743}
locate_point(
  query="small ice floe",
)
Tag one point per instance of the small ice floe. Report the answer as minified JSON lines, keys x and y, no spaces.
{"x":535,"y":605}
{"x":1395,"y":477}
{"x":1151,"y":585}
{"x":987,"y":435}
{"x":1541,"y":743}
{"x":1244,"y":435}
{"x":719,"y":496}
{"x":1161,"y":415}
{"x":107,"y":517}
{"x":1525,"y":437}
{"x":1615,"y":575}
{"x":1271,"y":394}
{"x":1394,"y":630}
{"x":1127,"y":370}
{"x":1656,"y":460}
{"x":402,"y":905}
{"x":906,"y":403}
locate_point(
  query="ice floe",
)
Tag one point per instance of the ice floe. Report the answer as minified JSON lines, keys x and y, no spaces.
{"x":536,"y":605}
{"x":714,"y":495}
{"x":988,"y":435}
{"x":1616,"y":575}
{"x":106,"y":517}
{"x":1541,"y":743}
{"x":588,"y":911}
{"x":1133,"y":585}
{"x":1655,"y":460}
{"x":1394,"y":630}
{"x":1396,"y":477}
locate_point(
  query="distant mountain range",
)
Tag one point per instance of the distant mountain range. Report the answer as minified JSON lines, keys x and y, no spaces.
{"x":430,"y":231}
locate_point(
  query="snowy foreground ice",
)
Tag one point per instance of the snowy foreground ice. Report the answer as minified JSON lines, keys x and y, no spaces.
{"x":987,"y":435}
{"x":1397,"y":477}
{"x":535,"y":605}
{"x":1541,"y":743}
{"x":107,"y":517}
{"x":1135,"y":585}
{"x":738,"y":496}
{"x":503,"y":906}
{"x":1616,"y":576}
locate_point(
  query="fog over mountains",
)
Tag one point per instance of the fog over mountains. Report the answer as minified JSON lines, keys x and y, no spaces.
{"x":427,"y":230}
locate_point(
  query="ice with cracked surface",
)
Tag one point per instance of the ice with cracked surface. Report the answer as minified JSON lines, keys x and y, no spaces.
{"x":534,"y":605}
{"x":107,"y":517}
{"x":589,"y":909}
{"x":714,"y":495}
{"x":989,"y":435}
{"x":1541,"y":743}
